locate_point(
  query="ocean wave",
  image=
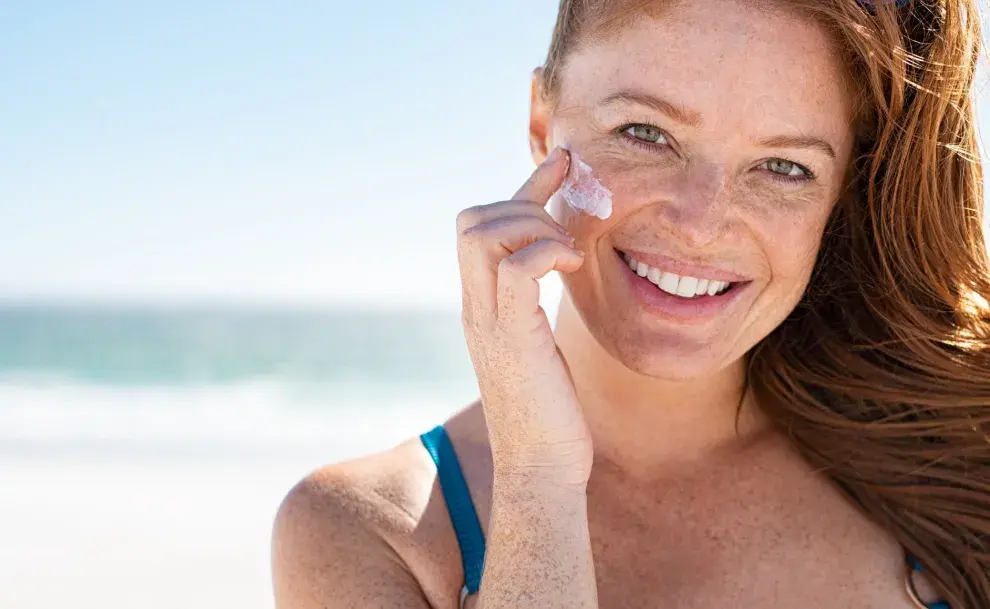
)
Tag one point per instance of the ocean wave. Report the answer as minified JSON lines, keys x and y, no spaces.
{"x":49,"y":414}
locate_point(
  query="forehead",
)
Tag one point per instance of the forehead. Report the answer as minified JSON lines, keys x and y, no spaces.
{"x":737,"y":66}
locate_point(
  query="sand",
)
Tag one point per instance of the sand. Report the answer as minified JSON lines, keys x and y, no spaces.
{"x":118,"y":531}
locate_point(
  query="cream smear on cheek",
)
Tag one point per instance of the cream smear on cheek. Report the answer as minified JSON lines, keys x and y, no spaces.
{"x":584,"y":192}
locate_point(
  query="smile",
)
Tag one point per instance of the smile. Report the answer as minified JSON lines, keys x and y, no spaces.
{"x":680,"y":291}
{"x":677,"y":285}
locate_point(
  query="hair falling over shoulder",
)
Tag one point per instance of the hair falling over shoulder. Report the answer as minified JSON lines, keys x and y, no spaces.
{"x":881,"y":375}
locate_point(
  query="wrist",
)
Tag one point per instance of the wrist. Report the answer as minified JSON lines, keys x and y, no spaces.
{"x":537,"y":484}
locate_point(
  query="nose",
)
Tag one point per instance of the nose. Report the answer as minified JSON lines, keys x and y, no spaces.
{"x":697,"y":205}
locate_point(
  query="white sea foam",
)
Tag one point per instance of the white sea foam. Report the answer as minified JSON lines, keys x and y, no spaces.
{"x":333,"y":420}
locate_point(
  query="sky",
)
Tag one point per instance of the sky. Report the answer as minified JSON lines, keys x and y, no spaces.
{"x":256,"y":151}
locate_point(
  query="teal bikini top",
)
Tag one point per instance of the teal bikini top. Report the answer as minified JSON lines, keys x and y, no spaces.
{"x":463,"y":516}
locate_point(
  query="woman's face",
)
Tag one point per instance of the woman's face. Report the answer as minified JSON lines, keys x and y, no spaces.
{"x":723,"y":133}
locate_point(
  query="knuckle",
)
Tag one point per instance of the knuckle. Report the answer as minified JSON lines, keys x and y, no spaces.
{"x":471,"y":232}
{"x":476,"y":214}
{"x":467,"y":218}
{"x":474,"y":236}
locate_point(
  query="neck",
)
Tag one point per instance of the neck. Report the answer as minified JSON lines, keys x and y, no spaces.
{"x":644,"y":425}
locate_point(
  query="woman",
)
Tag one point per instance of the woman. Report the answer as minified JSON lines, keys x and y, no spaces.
{"x":769,"y":383}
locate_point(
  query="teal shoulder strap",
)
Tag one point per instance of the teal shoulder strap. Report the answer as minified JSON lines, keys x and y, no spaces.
{"x":467,"y":528}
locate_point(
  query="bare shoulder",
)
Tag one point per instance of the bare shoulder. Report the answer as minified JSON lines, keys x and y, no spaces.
{"x":370,"y":532}
{"x":337,"y":538}
{"x":831,"y":538}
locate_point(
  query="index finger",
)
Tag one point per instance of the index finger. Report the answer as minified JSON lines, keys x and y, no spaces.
{"x":546,"y":179}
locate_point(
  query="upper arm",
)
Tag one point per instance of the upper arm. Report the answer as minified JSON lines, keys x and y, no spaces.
{"x":327,"y":552}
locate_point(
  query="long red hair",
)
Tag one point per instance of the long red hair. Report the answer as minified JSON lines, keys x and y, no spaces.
{"x":881,"y":375}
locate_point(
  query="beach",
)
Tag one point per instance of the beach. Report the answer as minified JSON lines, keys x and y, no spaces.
{"x":144,"y":453}
{"x":89,"y":533}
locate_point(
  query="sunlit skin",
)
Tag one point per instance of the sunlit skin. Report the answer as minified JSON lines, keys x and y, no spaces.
{"x":706,"y":191}
{"x":683,"y":508}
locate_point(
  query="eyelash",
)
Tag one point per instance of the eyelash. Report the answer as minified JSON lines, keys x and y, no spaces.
{"x":654,"y":147}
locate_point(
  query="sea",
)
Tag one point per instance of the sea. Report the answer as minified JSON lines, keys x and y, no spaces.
{"x":145,"y":449}
{"x":204,"y":381}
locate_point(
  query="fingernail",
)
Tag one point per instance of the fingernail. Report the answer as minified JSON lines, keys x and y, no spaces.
{"x":552,"y":157}
{"x":560,"y":152}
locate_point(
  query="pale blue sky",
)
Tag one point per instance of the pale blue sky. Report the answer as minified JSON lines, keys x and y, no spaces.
{"x":256,"y":150}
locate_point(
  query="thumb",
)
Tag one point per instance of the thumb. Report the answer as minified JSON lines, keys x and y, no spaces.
{"x":546,"y":179}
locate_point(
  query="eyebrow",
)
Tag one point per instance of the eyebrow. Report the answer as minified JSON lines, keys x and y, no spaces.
{"x":674,"y":111}
{"x":798,"y":141}
{"x":693,"y":119}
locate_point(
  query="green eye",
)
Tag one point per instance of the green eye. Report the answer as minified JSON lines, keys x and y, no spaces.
{"x":647,"y":133}
{"x":787,"y":168}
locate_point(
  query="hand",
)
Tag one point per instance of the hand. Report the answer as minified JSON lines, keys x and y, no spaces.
{"x":534,"y":420}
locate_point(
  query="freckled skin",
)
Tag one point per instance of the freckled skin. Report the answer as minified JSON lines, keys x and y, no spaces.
{"x":705,"y":200}
{"x":678,"y":510}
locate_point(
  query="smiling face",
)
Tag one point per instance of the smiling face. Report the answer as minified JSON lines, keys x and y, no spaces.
{"x":723,"y":133}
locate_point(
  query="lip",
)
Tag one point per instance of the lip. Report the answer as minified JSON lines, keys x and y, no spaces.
{"x":675,"y":308}
{"x":679,"y":267}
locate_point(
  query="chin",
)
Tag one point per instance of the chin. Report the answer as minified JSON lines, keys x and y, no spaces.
{"x":653,"y":347}
{"x":666,"y":354}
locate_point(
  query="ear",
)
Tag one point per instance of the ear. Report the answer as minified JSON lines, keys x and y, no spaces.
{"x":539,"y":118}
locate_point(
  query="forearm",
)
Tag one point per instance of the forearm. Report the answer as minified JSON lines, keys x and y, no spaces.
{"x":539,"y":549}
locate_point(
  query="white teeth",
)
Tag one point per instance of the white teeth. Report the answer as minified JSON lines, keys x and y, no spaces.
{"x":668,"y":283}
{"x":686,"y":287}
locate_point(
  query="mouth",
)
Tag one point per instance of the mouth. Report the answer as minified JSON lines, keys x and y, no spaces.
{"x":681,"y":286}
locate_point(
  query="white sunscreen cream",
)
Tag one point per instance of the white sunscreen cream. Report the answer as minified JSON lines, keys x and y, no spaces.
{"x":584,"y":192}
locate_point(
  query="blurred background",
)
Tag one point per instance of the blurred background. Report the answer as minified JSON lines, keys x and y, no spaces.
{"x":226,"y":258}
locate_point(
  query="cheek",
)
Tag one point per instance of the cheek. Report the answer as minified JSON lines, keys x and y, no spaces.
{"x":621,"y":171}
{"x":792,"y":248}
{"x":790,"y":231}
{"x":627,"y":184}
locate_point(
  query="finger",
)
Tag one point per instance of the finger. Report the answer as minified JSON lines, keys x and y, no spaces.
{"x":546,"y":179}
{"x":518,"y":291}
{"x":506,"y":235}
{"x":480,"y":214}
{"x":480,"y":250}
